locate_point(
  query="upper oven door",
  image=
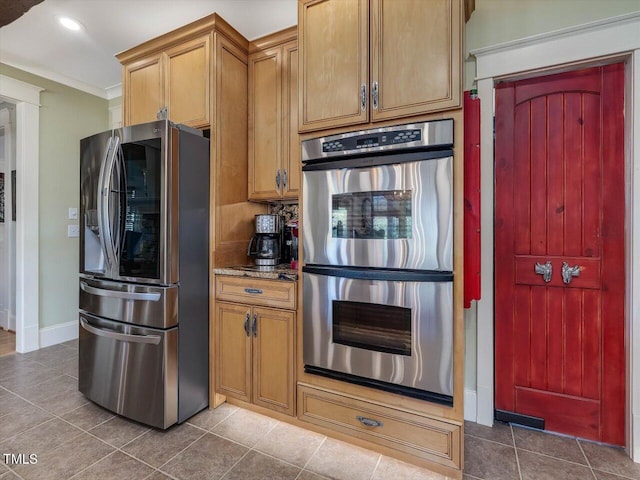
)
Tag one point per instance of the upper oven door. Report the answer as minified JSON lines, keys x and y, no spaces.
{"x":389,"y":216}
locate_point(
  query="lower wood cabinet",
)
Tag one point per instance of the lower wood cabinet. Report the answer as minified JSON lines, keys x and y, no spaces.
{"x":429,"y":438}
{"x":254,"y":352}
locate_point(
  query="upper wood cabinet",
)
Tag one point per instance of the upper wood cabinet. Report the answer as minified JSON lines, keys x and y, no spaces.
{"x":274,"y":146}
{"x":177,"y":78}
{"x":374,"y":60}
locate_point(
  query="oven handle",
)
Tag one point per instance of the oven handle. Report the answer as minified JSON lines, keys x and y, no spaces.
{"x":374,"y":159}
{"x":392,"y":275}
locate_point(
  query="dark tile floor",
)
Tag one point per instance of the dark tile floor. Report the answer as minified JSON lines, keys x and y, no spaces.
{"x":42,"y":413}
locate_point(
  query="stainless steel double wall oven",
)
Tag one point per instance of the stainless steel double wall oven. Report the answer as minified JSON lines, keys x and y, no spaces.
{"x":378,"y":258}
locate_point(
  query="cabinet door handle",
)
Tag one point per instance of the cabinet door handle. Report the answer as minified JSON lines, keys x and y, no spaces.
{"x":246,"y":324}
{"x":253,"y":291}
{"x":369,"y":422}
{"x":278,"y":180}
{"x":363,"y":97}
{"x":284,"y":178}
{"x":254,"y":326}
{"x":374,"y":95}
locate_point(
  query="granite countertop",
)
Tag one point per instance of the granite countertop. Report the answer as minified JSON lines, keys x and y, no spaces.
{"x":279,"y":272}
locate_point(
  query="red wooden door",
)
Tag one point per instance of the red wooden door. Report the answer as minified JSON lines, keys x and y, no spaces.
{"x":559,"y":199}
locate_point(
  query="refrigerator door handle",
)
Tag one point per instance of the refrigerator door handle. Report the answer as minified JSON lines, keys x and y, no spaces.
{"x":123,"y":337}
{"x":105,"y":192}
{"x":101,"y":216}
{"x":152,"y":297}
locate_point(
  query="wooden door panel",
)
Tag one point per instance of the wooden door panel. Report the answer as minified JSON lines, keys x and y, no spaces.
{"x":273,"y":383}
{"x":265,"y":123}
{"x":188,"y":81}
{"x":415,"y":56}
{"x":144,"y":90}
{"x":563,"y":412}
{"x":334,"y":46}
{"x":233,"y":365}
{"x":560,"y":199}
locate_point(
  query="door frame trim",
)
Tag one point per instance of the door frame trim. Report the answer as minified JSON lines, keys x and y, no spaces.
{"x":26,"y":97}
{"x":596,"y":43}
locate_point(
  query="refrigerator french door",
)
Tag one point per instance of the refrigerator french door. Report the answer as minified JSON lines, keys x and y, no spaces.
{"x":144,"y":282}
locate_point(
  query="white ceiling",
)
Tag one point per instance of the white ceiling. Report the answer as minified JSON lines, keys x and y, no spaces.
{"x":37,"y":43}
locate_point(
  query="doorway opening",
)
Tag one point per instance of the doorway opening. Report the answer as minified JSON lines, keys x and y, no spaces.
{"x":8,"y":173}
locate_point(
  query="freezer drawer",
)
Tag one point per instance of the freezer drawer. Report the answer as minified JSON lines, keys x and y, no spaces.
{"x":130,"y":370}
{"x":144,"y":305}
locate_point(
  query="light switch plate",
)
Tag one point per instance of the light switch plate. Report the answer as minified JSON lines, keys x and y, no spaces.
{"x":73,"y":213}
{"x":73,"y":231}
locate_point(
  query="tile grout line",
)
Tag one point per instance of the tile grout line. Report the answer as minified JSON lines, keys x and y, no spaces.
{"x":94,"y":463}
{"x":376,"y":467}
{"x":515,"y":449}
{"x":311,"y":457}
{"x":249,"y":449}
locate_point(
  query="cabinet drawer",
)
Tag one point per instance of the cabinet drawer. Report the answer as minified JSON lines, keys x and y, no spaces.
{"x":424,"y":437}
{"x":256,"y":291}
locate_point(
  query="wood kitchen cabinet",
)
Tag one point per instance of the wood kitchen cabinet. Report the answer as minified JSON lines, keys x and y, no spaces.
{"x":274,"y":146}
{"x":254,"y":343}
{"x":199,"y":72}
{"x":177,"y":78}
{"x":375,"y":60}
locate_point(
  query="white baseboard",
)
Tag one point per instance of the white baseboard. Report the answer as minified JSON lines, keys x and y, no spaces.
{"x":58,"y":333}
{"x":4,"y":319}
{"x":634,"y":451}
{"x":28,"y":339}
{"x":470,"y":405}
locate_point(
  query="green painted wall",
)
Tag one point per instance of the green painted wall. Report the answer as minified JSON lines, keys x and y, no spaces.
{"x":66,"y":116}
{"x":499,"y":21}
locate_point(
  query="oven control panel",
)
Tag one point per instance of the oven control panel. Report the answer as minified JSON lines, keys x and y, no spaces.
{"x":431,"y":135}
{"x":372,"y":140}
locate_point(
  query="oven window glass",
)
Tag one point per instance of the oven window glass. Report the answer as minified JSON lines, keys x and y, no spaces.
{"x":381,"y":328}
{"x":382,"y":214}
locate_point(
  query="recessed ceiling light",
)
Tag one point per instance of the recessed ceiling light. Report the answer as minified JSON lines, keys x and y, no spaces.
{"x":70,"y":23}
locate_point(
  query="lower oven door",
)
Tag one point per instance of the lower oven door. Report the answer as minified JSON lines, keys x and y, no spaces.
{"x":129,"y":370}
{"x":386,"y":329}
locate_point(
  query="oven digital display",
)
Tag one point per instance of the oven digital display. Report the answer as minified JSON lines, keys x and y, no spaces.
{"x":382,"y":214}
{"x":367,"y":142}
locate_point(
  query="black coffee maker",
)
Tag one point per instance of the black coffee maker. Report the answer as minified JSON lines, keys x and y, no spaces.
{"x":265,"y":247}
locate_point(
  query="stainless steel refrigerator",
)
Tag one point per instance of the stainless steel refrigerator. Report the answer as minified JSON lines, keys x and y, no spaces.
{"x":144,"y":272}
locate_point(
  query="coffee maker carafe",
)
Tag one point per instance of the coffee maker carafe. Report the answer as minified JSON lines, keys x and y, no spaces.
{"x":264,"y":246}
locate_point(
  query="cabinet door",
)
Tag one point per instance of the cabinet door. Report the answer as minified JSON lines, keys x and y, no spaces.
{"x":187,"y":84}
{"x":265,"y":124}
{"x":415,"y":57}
{"x":333,"y":41}
{"x":143,"y":90}
{"x":273,"y":359}
{"x":291,"y":139}
{"x":233,"y":350}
